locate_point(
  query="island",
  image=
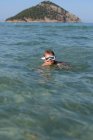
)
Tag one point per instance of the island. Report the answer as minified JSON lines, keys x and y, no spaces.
{"x":45,"y":11}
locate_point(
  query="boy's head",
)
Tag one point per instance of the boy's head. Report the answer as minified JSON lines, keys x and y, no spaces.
{"x":49,"y":57}
{"x":49,"y":53}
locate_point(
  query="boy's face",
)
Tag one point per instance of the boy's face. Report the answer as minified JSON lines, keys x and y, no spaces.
{"x":47,"y":61}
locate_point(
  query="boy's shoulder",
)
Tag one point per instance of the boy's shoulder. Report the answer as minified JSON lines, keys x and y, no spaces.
{"x":63,"y":65}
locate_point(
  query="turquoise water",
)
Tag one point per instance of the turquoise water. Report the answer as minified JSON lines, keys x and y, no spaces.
{"x":46,"y":104}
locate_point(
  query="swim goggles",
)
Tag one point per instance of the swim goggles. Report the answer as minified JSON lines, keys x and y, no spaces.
{"x":48,"y":58}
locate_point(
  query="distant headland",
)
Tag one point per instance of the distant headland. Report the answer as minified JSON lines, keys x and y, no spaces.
{"x":46,"y":11}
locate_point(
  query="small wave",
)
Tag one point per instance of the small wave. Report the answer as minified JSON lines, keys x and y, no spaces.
{"x":70,"y":25}
{"x":79,"y":37}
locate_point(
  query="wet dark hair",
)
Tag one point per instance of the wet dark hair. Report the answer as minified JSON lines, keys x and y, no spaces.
{"x":49,"y":52}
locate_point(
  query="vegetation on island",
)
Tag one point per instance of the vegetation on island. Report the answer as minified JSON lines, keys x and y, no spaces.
{"x":45,"y":9}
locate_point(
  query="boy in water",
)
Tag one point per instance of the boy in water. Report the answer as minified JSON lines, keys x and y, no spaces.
{"x":50,"y":60}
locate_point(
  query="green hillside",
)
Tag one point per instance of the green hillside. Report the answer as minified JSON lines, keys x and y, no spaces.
{"x":45,"y":9}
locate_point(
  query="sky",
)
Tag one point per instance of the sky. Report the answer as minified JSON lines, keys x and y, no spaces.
{"x":81,"y":8}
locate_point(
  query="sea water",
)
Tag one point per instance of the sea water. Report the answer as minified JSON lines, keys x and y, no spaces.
{"x":46,"y":103}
